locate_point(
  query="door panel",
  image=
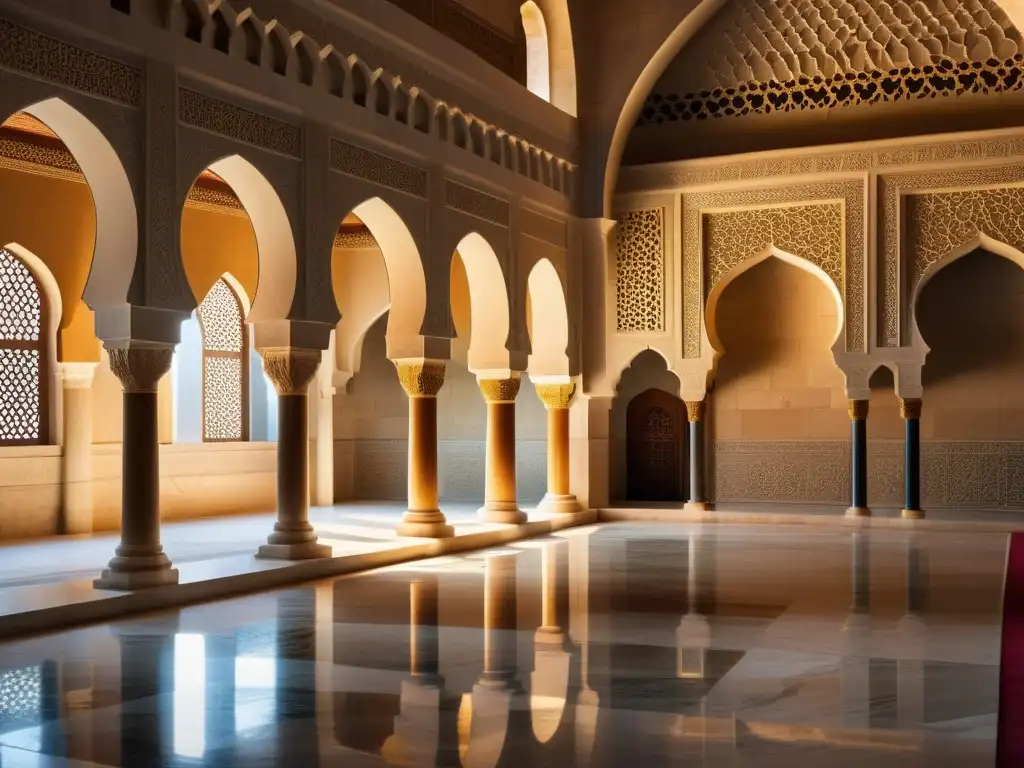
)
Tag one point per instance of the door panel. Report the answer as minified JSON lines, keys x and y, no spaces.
{"x":655,"y":440}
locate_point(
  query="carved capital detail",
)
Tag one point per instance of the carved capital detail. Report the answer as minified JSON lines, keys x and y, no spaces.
{"x":695,"y":410}
{"x":421,"y":379}
{"x":858,"y":410}
{"x":139,"y":369}
{"x":556,"y":396}
{"x":910,"y":408}
{"x":292,"y":370}
{"x":500,"y":390}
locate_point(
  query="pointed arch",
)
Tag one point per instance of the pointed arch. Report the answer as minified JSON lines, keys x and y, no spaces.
{"x":225,"y":362}
{"x":550,"y":54}
{"x":117,"y":225}
{"x":538,"y":66}
{"x":981,"y":240}
{"x":30,"y":314}
{"x":549,"y":323}
{"x":711,"y":306}
{"x":488,"y":305}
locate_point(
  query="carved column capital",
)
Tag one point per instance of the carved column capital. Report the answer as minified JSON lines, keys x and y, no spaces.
{"x":77,"y":375}
{"x":910,"y":407}
{"x":500,"y":390}
{"x":290,"y":368}
{"x":421,"y":379}
{"x":140,"y":369}
{"x":695,"y":410}
{"x":556,"y":396}
{"x":858,"y":410}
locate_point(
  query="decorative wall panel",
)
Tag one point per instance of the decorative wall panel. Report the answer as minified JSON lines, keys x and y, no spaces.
{"x":22,"y":353}
{"x":377,"y":168}
{"x":476,"y":203}
{"x":216,"y":116}
{"x":782,"y":471}
{"x":829,"y":227}
{"x":544,"y":228}
{"x":640,"y":272}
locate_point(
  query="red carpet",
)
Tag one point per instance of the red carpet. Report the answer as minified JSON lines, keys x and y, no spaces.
{"x":1011,"y":675}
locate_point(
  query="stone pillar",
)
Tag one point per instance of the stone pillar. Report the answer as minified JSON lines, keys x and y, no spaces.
{"x":500,"y":505}
{"x":139,"y":560}
{"x":556,"y":399}
{"x":910,"y":410}
{"x":695,"y":410}
{"x":589,"y":461}
{"x":501,"y":664}
{"x":323,"y":491}
{"x":421,"y":382}
{"x":424,"y":648}
{"x":76,"y":457}
{"x":291,"y":370}
{"x":858,"y":459}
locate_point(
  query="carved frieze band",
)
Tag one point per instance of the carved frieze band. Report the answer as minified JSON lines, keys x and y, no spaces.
{"x":476,"y":203}
{"x":25,"y":50}
{"x":210,"y":114}
{"x":723,"y":229}
{"x":378,"y":169}
{"x":939,"y":213}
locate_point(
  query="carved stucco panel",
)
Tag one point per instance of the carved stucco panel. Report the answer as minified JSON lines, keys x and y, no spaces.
{"x":755,"y":212}
{"x":640,"y":272}
{"x":932,"y":226}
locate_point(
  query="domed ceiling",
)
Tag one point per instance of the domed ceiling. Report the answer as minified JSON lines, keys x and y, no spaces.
{"x":759,"y":57}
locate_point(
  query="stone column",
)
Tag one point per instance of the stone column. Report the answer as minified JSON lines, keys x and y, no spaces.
{"x":501,"y":664}
{"x":500,"y":505}
{"x":858,"y":459}
{"x":424,"y":649}
{"x":323,"y":492}
{"x":695,"y":410}
{"x":910,"y":410}
{"x":556,"y":399}
{"x":292,"y":369}
{"x":589,"y":463}
{"x":139,"y":560}
{"x":421,"y":382}
{"x":76,"y":458}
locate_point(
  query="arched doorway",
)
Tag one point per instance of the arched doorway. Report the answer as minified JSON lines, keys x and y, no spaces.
{"x":655,"y":453}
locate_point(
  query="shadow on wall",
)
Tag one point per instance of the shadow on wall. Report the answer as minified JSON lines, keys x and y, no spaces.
{"x":648,"y":370}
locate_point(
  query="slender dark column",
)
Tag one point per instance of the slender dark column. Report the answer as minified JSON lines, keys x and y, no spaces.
{"x":910,"y":410}
{"x":695,"y":416}
{"x":858,"y":459}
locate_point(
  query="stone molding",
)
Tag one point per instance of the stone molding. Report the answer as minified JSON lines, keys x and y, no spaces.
{"x":290,"y":369}
{"x":748,"y":232}
{"x":211,"y":114}
{"x":33,"y":53}
{"x":476,"y":203}
{"x":377,"y":168}
{"x":139,"y":369}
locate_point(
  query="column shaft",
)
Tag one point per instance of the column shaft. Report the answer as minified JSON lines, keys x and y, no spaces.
{"x":500,"y":505}
{"x":139,"y":560}
{"x":858,"y":459}
{"x":422,"y":380}
{"x":500,"y":657}
{"x":695,"y":410}
{"x":293,"y":537}
{"x":556,"y":398}
{"x":910,"y":409}
{"x":76,"y":463}
{"x":424,"y":649}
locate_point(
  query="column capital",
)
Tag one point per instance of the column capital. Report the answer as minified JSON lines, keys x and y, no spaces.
{"x":421,"y":378}
{"x":140,"y":369}
{"x":77,"y":375}
{"x":695,"y":410}
{"x":291,"y":369}
{"x":555,"y":396}
{"x":500,"y":390}
{"x":910,"y":407}
{"x":858,"y":410}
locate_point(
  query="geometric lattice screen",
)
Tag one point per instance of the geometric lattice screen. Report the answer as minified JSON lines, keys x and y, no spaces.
{"x":224,"y":368}
{"x":22,"y":345}
{"x":21,"y":697}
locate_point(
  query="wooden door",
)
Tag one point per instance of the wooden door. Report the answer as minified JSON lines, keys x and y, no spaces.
{"x":655,"y":439}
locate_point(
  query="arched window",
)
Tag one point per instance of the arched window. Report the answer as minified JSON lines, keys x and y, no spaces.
{"x":23,"y":355}
{"x":538,"y":56}
{"x":225,"y":365}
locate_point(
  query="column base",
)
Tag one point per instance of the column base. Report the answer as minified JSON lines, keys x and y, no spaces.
{"x":549,"y":638}
{"x":912,"y":514}
{"x":117,"y":579}
{"x":697,"y":506}
{"x":507,"y":512}
{"x":425,"y":525}
{"x":559,"y":504}
{"x":308,"y":550}
{"x":858,"y":512}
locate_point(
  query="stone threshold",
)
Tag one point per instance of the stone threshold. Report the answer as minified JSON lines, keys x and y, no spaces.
{"x":41,"y":608}
{"x":968,"y":520}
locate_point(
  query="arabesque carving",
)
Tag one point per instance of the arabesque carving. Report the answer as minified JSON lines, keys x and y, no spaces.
{"x":500,"y":390}
{"x":421,"y":379}
{"x":290,"y":369}
{"x":556,"y":396}
{"x":640,"y":272}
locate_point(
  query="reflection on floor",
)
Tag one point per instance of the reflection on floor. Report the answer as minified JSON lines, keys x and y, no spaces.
{"x":621,"y":644}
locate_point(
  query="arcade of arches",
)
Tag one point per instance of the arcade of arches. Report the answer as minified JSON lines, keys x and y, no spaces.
{"x":354,"y":286}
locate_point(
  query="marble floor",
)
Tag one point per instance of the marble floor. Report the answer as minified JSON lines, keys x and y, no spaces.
{"x":637,"y":645}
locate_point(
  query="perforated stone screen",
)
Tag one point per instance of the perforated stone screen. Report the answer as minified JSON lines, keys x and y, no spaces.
{"x":224,"y":365}
{"x":21,"y":353}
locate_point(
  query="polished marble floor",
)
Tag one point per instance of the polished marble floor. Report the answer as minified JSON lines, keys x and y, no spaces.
{"x":621,"y":644}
